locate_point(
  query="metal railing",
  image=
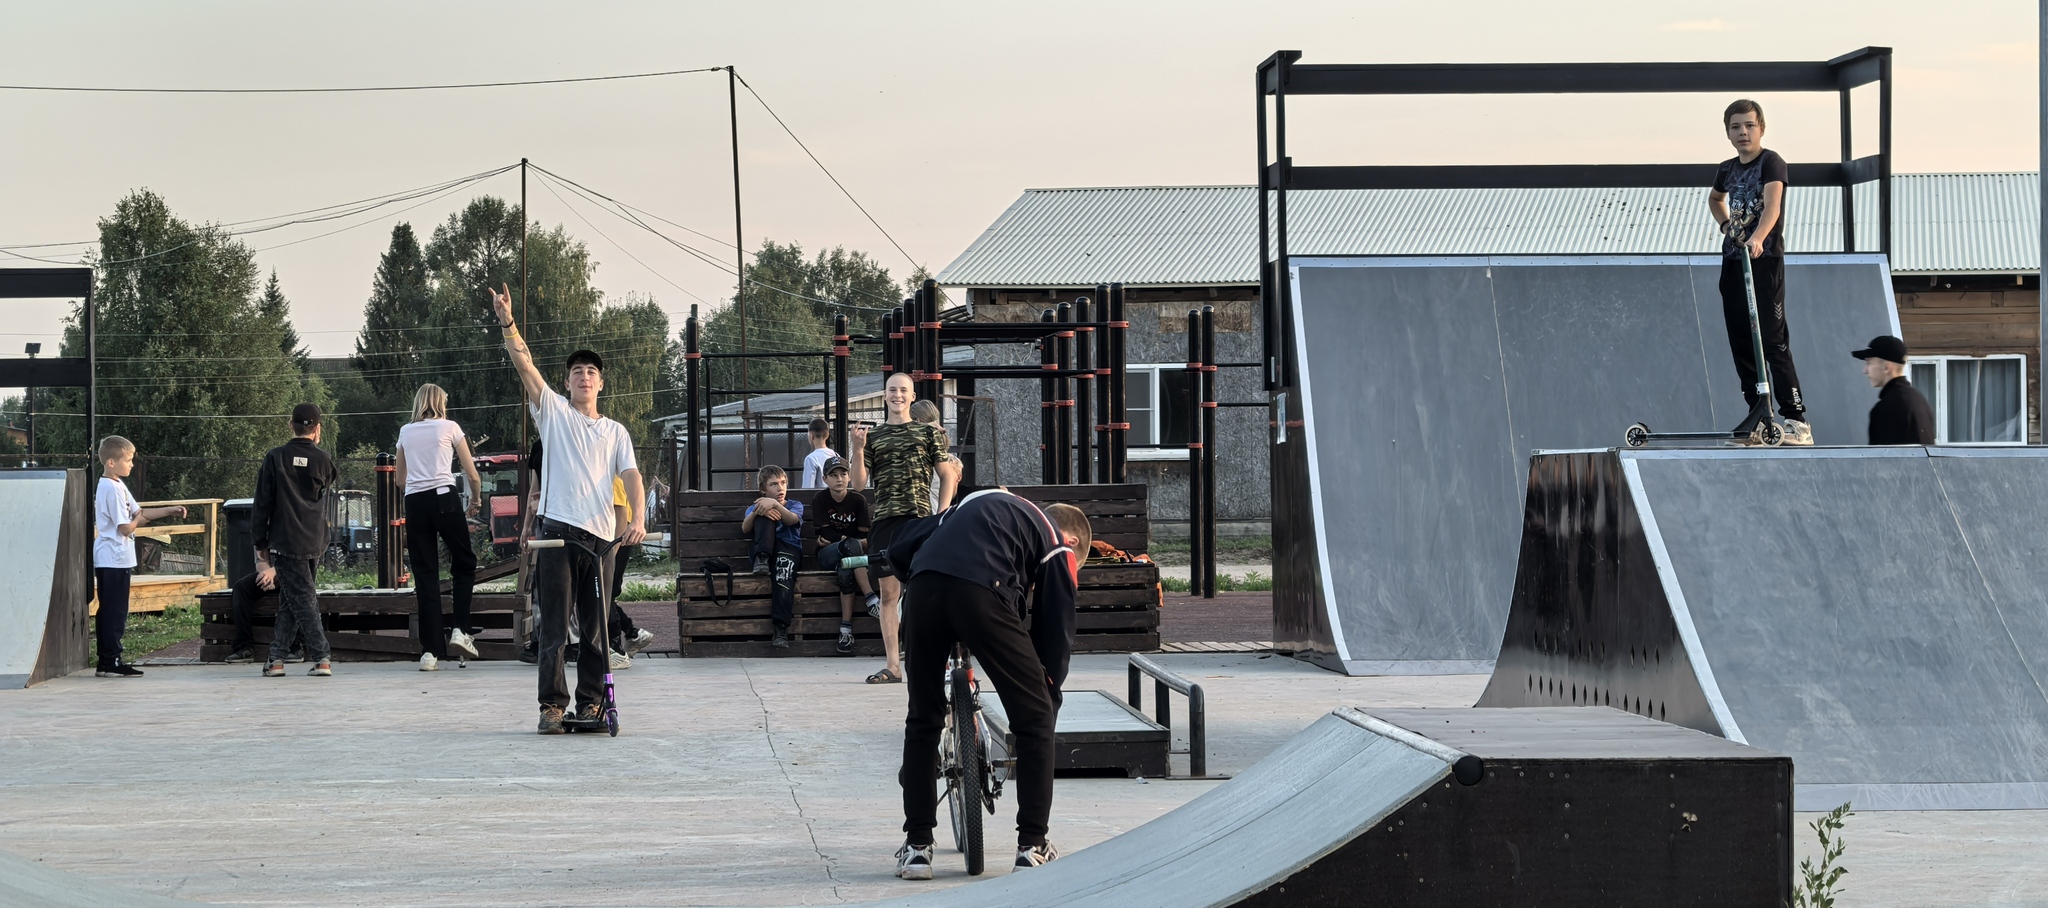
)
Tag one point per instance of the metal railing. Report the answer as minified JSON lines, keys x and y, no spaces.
{"x":1163,"y":681}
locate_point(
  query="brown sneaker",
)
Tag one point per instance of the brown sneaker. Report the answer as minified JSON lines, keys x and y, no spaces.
{"x":273,"y":669}
{"x":551,"y":720}
{"x":590,"y":713}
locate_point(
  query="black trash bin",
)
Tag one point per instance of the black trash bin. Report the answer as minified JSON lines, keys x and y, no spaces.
{"x":241,"y":554}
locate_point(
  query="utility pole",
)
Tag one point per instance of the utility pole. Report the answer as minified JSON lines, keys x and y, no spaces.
{"x":739,"y":234}
{"x":34,"y":349}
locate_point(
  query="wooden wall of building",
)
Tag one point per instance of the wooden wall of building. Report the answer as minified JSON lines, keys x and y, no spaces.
{"x":1977,"y":323}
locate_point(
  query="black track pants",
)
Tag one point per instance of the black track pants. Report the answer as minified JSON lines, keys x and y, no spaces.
{"x":1769,"y":273}
{"x":951,"y":610}
{"x":430,"y":516}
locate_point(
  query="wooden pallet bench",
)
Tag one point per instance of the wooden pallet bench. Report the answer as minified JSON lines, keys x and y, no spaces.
{"x":366,"y":625}
{"x":1118,"y":607}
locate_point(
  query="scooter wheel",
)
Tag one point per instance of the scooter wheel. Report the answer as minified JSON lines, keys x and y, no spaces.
{"x":611,"y":722}
{"x":1637,"y":436}
{"x":1770,"y":433}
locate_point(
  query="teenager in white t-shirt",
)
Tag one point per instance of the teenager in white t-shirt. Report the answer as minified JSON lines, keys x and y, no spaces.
{"x":115,"y":516}
{"x":433,"y":509}
{"x":585,"y":451}
{"x":821,"y":452}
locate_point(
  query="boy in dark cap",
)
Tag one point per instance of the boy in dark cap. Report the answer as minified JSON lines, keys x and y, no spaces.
{"x":289,"y":527}
{"x":1902,"y":415}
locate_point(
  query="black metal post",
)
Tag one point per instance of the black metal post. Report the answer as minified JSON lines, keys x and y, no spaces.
{"x":1207,"y":413}
{"x":1848,"y":191}
{"x":523,"y":483}
{"x":1048,"y":360}
{"x":1884,"y":155}
{"x":1119,"y":417}
{"x":842,"y":356}
{"x":739,"y":233}
{"x":1195,"y":464}
{"x":1103,"y":465}
{"x":390,"y":522}
{"x":890,"y":364}
{"x":934,"y":354}
{"x":1084,"y":394}
{"x":1063,"y":397}
{"x":1268,"y":322}
{"x":693,"y":367}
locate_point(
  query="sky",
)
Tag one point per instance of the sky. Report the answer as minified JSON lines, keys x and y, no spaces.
{"x":935,"y":116}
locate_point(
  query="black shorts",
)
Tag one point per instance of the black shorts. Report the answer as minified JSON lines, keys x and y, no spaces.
{"x":879,"y":537}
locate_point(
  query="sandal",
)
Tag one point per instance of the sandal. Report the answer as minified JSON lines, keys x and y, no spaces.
{"x":885,"y":676}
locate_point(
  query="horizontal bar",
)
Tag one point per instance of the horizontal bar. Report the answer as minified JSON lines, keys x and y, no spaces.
{"x":1575,"y":78}
{"x":1531,"y":176}
{"x":1161,"y":674}
{"x":733,"y":391}
{"x":44,"y":283}
{"x":45,"y":372}
{"x":826,"y":354}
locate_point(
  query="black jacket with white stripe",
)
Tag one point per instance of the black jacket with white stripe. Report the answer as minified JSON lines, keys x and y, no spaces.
{"x":1002,"y":542}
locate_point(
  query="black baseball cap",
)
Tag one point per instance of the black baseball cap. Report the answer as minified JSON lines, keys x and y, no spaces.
{"x":305,"y":415}
{"x":1885,"y":347}
{"x":585,"y":356}
{"x":834,"y":465}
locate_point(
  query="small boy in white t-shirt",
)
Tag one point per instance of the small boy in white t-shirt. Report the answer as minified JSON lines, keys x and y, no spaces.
{"x":115,"y":516}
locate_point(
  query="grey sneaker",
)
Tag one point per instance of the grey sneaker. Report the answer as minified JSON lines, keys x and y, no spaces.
{"x":1037,"y":856}
{"x":914,"y":862}
{"x":1797,"y":433}
{"x":620,"y":661}
{"x":551,"y":720}
{"x":274,"y":669}
{"x":321,"y":669}
{"x":242,"y":656}
{"x":845,"y":639}
{"x":642,"y":639}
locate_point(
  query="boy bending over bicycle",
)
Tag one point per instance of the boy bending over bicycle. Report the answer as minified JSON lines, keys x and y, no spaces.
{"x":585,"y":452}
{"x":999,"y":575}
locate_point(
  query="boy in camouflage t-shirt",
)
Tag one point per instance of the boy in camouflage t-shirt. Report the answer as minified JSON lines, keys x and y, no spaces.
{"x":901,"y":456}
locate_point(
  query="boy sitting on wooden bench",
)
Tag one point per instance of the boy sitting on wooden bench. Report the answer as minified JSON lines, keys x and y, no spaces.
{"x":843,"y":521}
{"x":776,"y":524}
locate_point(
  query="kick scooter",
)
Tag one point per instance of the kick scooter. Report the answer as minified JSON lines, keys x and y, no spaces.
{"x":1759,"y":422}
{"x":608,"y":716}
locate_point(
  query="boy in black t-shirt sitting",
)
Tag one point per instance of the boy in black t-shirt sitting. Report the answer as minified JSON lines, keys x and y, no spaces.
{"x":1748,"y":201}
{"x":843,"y":521}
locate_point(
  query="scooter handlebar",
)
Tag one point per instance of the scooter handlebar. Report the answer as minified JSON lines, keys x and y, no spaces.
{"x":558,"y":543}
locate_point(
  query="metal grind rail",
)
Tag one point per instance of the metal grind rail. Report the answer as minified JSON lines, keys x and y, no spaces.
{"x":1162,"y":709}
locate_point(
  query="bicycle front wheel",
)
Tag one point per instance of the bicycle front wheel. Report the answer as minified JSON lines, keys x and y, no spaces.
{"x":968,"y":760}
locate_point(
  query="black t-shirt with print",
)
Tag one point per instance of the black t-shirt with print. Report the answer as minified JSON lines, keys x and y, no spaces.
{"x":1744,"y":186}
{"x":838,"y":520}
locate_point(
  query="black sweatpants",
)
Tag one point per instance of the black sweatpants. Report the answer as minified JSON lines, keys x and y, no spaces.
{"x":951,"y":610}
{"x":782,"y":571}
{"x":429,"y":516}
{"x":570,"y":581}
{"x":1769,"y":274}
{"x":110,"y":623}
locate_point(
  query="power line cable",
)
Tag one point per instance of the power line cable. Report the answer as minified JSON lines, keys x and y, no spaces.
{"x":327,"y":90}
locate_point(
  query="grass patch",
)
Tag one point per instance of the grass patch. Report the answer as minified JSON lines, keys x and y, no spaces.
{"x":1229,"y":549}
{"x":149,"y":632}
{"x":648,"y":592}
{"x":1252,"y":581}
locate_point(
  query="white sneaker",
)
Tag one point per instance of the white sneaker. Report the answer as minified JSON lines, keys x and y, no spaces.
{"x":1037,"y":856}
{"x":428,"y":663}
{"x":641,"y":640}
{"x":462,"y":641}
{"x":1797,"y":433}
{"x":621,"y":661}
{"x":914,"y":862}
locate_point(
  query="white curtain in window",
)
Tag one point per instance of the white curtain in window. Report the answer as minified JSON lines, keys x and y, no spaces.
{"x":1984,"y":400}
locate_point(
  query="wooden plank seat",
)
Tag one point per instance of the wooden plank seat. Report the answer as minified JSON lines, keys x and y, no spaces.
{"x":366,"y":625}
{"x":1118,"y":608}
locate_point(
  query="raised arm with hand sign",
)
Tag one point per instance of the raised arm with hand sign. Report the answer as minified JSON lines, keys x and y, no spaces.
{"x":522,"y":358}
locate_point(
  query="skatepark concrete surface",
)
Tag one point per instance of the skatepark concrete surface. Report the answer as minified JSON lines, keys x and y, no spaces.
{"x":735,"y":782}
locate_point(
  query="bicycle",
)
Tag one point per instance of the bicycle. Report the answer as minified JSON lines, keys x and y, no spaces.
{"x":971,"y":780}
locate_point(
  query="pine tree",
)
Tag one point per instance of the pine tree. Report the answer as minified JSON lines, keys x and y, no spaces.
{"x":387,"y":354}
{"x":278,"y":312}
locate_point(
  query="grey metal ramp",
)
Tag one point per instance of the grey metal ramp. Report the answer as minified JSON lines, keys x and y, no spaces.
{"x":27,"y":884}
{"x":1876,"y":613}
{"x":1425,"y":384}
{"x":1094,"y":730}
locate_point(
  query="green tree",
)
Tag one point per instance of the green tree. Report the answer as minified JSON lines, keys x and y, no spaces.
{"x":183,"y":337}
{"x":278,"y":311}
{"x":791,"y":307}
{"x":387,"y":353}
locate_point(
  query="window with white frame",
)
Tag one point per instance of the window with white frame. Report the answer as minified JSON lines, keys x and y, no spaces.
{"x":1977,"y":399}
{"x":1159,"y":403}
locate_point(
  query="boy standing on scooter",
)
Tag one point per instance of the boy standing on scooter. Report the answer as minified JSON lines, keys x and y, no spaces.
{"x":585,"y":451}
{"x":1748,"y":202}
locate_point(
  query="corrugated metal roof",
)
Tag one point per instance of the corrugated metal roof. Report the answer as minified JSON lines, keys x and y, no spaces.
{"x":1195,"y":235}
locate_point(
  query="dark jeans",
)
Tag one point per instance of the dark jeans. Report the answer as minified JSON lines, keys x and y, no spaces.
{"x":782,"y":567}
{"x":1769,"y":274}
{"x":244,"y":594}
{"x":829,"y":557}
{"x":564,"y":579}
{"x":951,"y":610}
{"x":428,"y":516}
{"x":112,"y":620}
{"x":298,"y":610}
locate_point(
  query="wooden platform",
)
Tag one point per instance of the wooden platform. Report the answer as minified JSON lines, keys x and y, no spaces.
{"x":367,"y":625}
{"x":1096,"y":731}
{"x":156,"y":592}
{"x":1118,"y":607}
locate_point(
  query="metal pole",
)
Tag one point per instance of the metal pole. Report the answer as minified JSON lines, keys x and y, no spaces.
{"x":1048,"y":361}
{"x":92,"y":371}
{"x":1884,"y":161}
{"x":389,"y":518}
{"x":523,"y":483}
{"x":1063,"y":396}
{"x":934,"y":354}
{"x":842,"y":355}
{"x":693,"y":366}
{"x":1102,"y":375}
{"x":1284,"y":344}
{"x":1208,"y":417}
{"x":1119,"y":418}
{"x":1196,"y":585}
{"x":739,"y":234}
{"x":2040,"y":339}
{"x":1268,"y":308}
{"x":1849,"y":188}
{"x":1084,"y":394}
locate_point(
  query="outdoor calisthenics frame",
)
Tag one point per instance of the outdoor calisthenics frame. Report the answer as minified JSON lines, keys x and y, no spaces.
{"x":56,"y":371}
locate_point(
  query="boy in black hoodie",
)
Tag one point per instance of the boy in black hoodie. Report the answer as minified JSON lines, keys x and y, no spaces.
{"x":289,"y":529}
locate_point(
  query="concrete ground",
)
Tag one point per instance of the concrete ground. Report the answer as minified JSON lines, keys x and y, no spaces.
{"x":735,"y":782}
